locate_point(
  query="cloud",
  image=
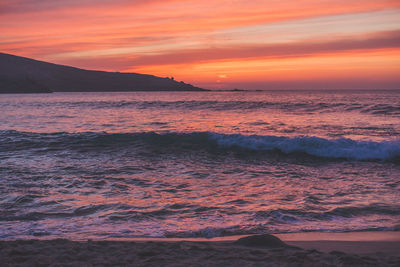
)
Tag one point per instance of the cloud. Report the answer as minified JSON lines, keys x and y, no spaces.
{"x":25,"y":6}
{"x":284,"y":50}
{"x":163,"y":34}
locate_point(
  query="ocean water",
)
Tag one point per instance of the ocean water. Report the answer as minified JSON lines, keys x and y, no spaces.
{"x":198,"y":164}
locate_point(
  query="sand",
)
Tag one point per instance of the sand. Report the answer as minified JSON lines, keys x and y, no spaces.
{"x":301,"y":250}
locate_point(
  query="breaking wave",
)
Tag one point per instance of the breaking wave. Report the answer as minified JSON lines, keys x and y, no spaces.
{"x":342,"y":148}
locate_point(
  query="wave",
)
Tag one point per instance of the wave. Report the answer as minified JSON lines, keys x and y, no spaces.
{"x":299,"y":215}
{"x":37,"y":215}
{"x":342,"y":148}
{"x":213,"y":232}
{"x":296,"y":107}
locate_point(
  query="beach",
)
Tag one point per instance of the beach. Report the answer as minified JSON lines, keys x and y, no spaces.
{"x":175,"y":179}
{"x":301,"y":250}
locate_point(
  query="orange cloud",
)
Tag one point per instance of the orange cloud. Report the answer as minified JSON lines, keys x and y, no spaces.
{"x":285,"y":50}
{"x":163,"y":37}
{"x":309,"y":48}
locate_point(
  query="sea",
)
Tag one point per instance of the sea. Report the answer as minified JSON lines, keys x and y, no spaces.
{"x":198,"y":164}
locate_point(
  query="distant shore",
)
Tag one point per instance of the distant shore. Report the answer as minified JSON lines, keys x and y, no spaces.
{"x":26,"y":75}
{"x":305,"y":249}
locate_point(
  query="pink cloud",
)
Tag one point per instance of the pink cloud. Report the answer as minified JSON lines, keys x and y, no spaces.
{"x":374,"y":41}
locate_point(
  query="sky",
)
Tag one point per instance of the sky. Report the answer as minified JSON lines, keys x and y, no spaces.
{"x":216,"y":44}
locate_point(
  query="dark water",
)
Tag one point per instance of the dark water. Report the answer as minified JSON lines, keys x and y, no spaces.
{"x":105,"y":165}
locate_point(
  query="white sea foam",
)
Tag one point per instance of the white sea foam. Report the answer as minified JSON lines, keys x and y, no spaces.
{"x":315,"y":146}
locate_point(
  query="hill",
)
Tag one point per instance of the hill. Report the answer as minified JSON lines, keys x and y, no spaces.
{"x":25,"y":75}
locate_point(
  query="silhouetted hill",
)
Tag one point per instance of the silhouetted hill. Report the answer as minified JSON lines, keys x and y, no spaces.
{"x":25,"y":75}
{"x":10,"y":85}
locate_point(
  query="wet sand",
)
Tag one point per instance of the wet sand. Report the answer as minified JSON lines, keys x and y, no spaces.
{"x":310,"y":249}
{"x":387,"y":243}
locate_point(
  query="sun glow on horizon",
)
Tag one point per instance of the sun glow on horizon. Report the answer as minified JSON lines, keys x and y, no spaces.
{"x":215,"y":44}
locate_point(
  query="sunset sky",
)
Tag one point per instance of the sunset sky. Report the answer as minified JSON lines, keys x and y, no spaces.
{"x":219,"y":44}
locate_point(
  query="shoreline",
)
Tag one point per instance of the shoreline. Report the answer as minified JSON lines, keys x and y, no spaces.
{"x":359,"y":236}
{"x":296,"y":249}
{"x":386,"y":242}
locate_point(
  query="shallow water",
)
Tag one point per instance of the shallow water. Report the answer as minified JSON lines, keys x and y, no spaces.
{"x":168,"y":164}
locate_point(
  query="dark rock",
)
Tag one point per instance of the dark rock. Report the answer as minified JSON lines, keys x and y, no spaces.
{"x":267,"y":241}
